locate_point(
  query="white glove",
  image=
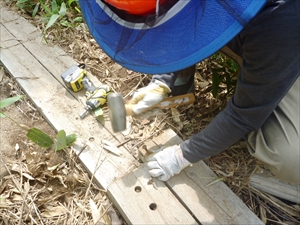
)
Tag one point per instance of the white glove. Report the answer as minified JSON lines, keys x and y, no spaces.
{"x":166,"y":163}
{"x":145,"y":98}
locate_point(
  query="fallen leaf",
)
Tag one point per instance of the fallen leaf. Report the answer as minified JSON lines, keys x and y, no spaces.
{"x":53,"y":167}
{"x":17,"y":197}
{"x":27,"y":176}
{"x":263,"y":214}
{"x":52,"y":211}
{"x":81,"y":207}
{"x":17,"y":147}
{"x":95,"y":211}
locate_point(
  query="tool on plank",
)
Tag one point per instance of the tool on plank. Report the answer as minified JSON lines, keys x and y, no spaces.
{"x":96,"y":96}
{"x":76,"y":78}
{"x":118,"y":110}
{"x":73,"y":76}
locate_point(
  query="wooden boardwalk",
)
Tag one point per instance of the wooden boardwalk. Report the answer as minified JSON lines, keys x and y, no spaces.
{"x":185,"y":199}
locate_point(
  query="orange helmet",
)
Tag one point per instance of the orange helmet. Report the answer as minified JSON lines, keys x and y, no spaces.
{"x":136,"y":7}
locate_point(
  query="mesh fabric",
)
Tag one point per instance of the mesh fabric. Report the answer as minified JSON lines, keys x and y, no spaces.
{"x":184,"y":33}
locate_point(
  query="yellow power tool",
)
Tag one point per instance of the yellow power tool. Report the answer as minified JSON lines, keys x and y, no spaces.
{"x":76,"y":78}
{"x":96,"y":96}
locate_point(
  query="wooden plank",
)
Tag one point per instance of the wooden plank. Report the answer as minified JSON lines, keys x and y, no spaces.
{"x":61,"y":110}
{"x":210,"y":202}
{"x":19,"y":26}
{"x":6,"y":15}
{"x":141,"y":202}
{"x":6,"y":39}
{"x":267,"y":183}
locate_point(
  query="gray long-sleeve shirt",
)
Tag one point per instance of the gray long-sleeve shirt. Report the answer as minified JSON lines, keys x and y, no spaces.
{"x":270,"y":48}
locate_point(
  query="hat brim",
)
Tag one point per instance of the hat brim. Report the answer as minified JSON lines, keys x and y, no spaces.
{"x":189,"y":32}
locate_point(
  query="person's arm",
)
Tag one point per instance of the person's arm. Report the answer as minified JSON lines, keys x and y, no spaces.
{"x":270,"y":46}
{"x":167,"y":78}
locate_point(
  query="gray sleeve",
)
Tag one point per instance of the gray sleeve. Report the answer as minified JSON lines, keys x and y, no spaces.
{"x":167,"y":78}
{"x":271,"y":64}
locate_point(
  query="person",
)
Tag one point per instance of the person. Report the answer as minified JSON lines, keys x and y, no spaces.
{"x":262,"y":36}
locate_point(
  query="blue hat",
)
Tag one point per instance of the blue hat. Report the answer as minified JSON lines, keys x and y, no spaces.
{"x":180,"y":34}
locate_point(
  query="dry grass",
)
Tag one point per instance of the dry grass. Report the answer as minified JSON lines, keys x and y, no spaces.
{"x":51,"y":188}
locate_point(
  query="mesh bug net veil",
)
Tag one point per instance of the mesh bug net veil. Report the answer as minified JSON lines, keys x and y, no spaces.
{"x":179,"y":34}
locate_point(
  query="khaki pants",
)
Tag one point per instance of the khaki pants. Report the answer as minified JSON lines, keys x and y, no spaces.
{"x":277,"y":143}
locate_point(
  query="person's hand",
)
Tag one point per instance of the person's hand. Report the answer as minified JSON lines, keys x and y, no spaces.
{"x":166,"y":163}
{"x":145,"y":98}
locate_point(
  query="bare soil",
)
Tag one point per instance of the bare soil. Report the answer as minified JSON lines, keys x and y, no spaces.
{"x":13,"y":138}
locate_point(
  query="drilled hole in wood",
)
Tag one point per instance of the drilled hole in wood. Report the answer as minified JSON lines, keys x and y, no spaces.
{"x":138,"y":189}
{"x":91,"y":139}
{"x":153,"y":206}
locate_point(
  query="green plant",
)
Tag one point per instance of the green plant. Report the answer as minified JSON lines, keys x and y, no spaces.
{"x":56,"y":13}
{"x":37,"y":136}
{"x":63,"y":140}
{"x":225,"y":72}
{"x":30,"y":6}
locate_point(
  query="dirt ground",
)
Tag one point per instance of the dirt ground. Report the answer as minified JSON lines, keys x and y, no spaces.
{"x":13,"y":138}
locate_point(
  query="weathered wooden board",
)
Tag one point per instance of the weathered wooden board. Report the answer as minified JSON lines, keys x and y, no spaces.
{"x":269,"y":184}
{"x":21,"y":29}
{"x":146,"y":202}
{"x":208,"y":199}
{"x":6,"y":38}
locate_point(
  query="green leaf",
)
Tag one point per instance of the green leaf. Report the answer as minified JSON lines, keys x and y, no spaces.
{"x":40,"y":138}
{"x":77,"y":20}
{"x":219,"y":70}
{"x":65,"y":23}
{"x":9,"y":101}
{"x":52,"y":20}
{"x":34,"y":12}
{"x":45,"y":7}
{"x":70,"y":139}
{"x":54,"y":7}
{"x":23,"y":4}
{"x":71,"y":1}
{"x":78,"y":10}
{"x":215,"y":83}
{"x":98,"y":112}
{"x":228,"y":81}
{"x":2,"y":114}
{"x":61,"y":140}
{"x":63,"y":9}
